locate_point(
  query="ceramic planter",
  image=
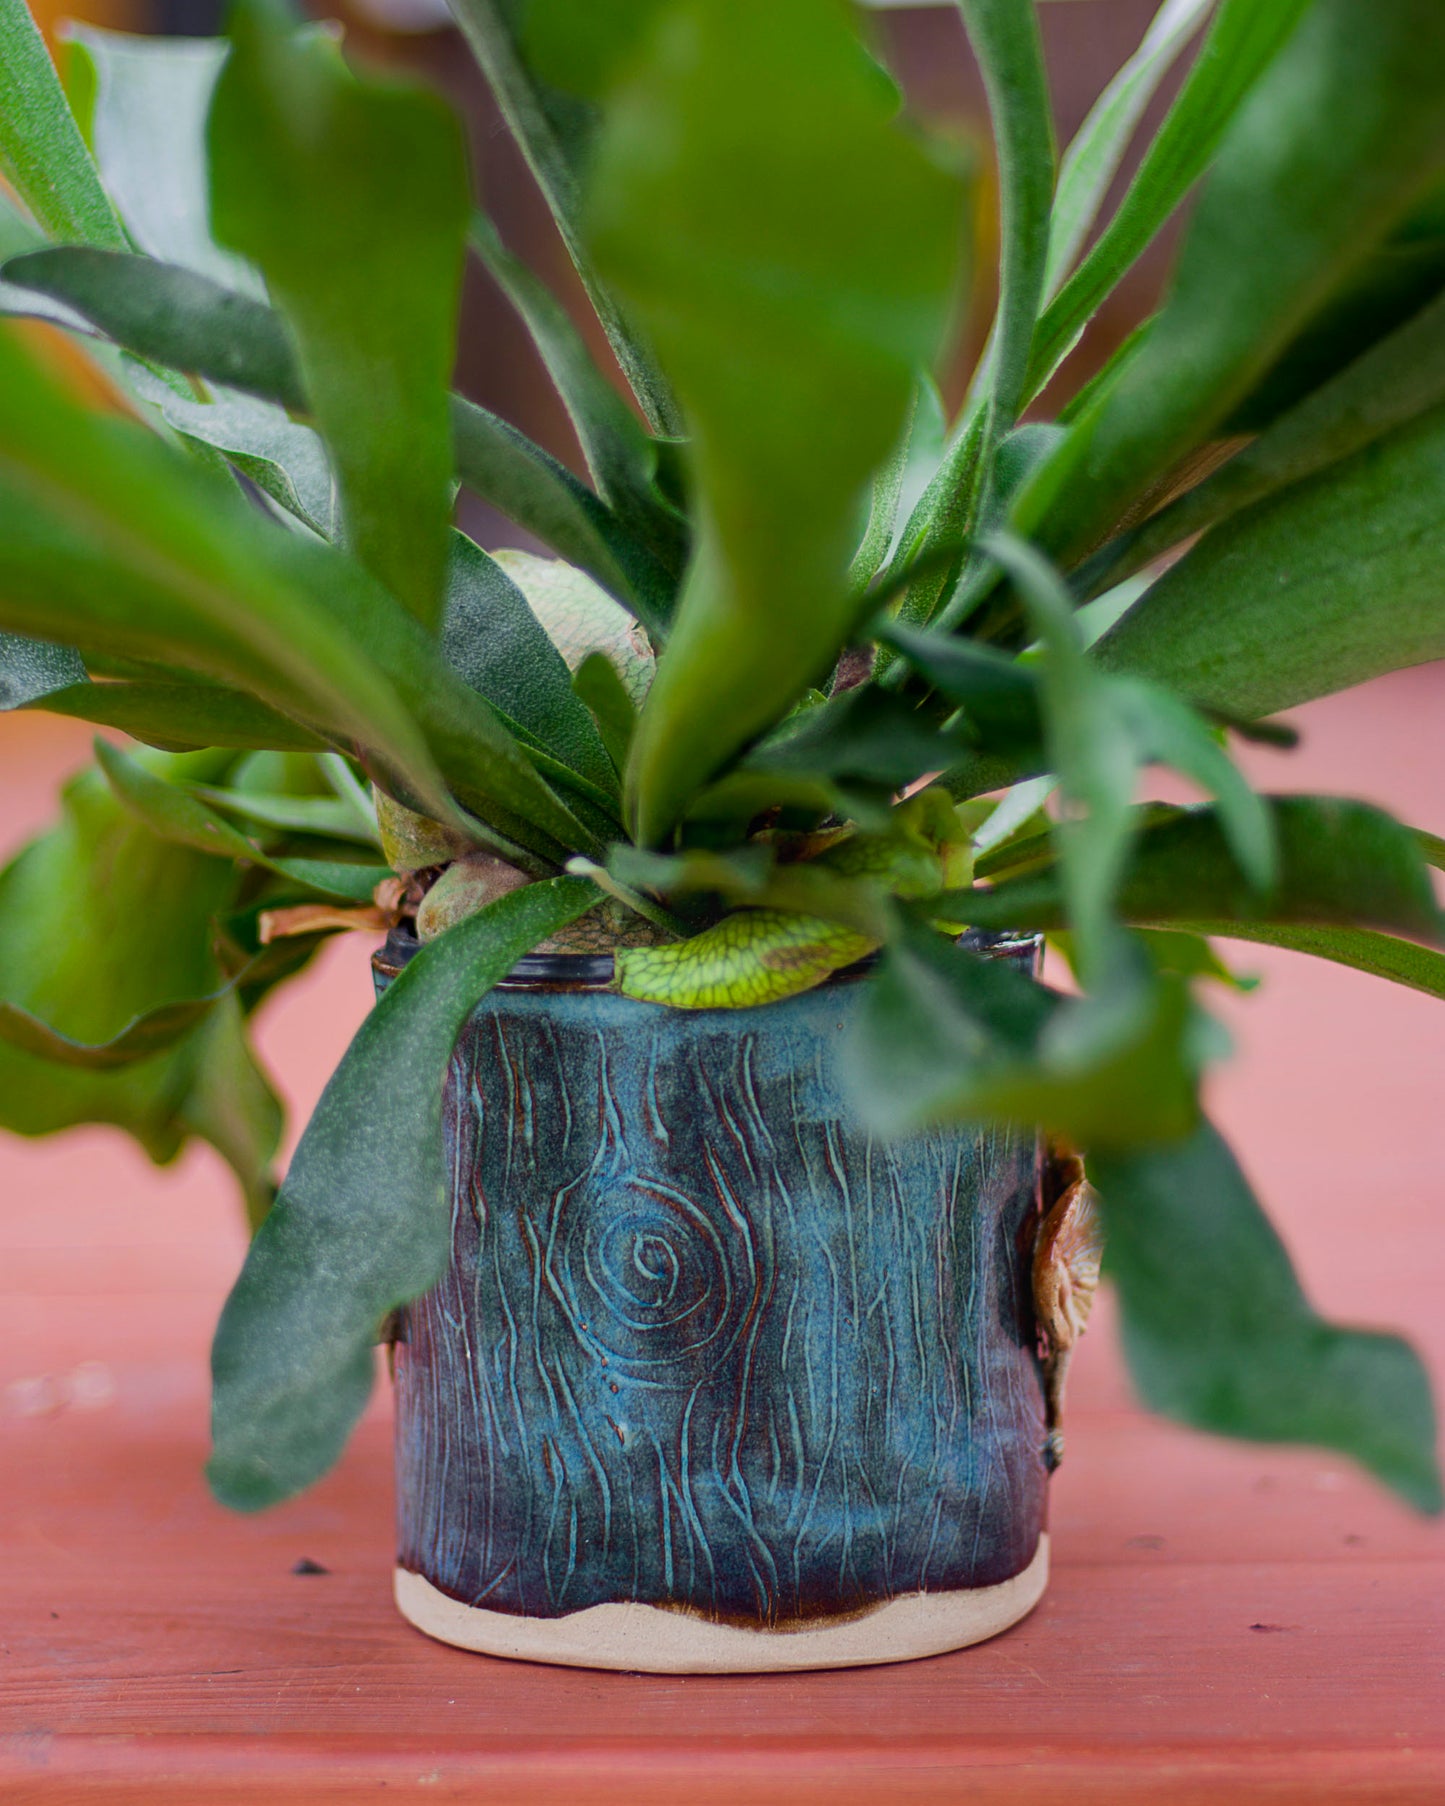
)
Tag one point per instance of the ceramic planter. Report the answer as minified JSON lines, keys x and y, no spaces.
{"x":715,"y":1381}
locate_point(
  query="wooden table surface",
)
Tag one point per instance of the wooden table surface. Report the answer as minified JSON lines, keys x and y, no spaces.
{"x":1222,"y":1621}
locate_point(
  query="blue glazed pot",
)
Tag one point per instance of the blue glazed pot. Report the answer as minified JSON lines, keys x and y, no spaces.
{"x":714,"y":1379}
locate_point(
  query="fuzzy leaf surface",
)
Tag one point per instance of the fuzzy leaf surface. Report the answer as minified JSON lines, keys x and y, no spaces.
{"x":1381,"y":955}
{"x":1392,"y":383}
{"x":1093,"y":157}
{"x":284,"y":459}
{"x":179,"y":815}
{"x":556,"y":127}
{"x":1243,"y":40}
{"x":148,"y":101}
{"x":170,"y":315}
{"x":1091,"y":745}
{"x":33,"y":669}
{"x":538,"y":493}
{"x":1339,"y":137}
{"x":494,"y":642}
{"x":1403,"y":272}
{"x":1331,"y":581}
{"x":1219,"y":1334}
{"x":361,"y":1223}
{"x":141,"y":555}
{"x":175,"y":317}
{"x":111,"y":930}
{"x":351,"y":195}
{"x":618,"y":452}
{"x":792,"y":253}
{"x":1341,"y":864}
{"x":135,"y":552}
{"x":947,"y":1036}
{"x":42,"y":153}
{"x":1006,"y":40}
{"x":177,"y":716}
{"x":604,"y":695}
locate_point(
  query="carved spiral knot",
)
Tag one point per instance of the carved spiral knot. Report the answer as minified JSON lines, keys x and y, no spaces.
{"x":651,"y":1282}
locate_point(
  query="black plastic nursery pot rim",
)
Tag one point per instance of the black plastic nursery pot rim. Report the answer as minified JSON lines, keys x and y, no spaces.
{"x":594,"y":971}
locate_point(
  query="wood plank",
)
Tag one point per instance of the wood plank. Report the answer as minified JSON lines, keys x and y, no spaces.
{"x":205,"y":1772}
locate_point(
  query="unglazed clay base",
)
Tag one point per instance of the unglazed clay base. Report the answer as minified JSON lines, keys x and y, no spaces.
{"x":652,"y":1640}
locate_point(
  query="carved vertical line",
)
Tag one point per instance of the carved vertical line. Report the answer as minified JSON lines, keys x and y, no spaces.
{"x":755,"y":1550}
{"x":658,"y":1126}
{"x":556,"y":1472}
{"x":697,"y":1539}
{"x":895,"y":1521}
{"x":1005,"y":1364}
{"x":571,"y":1550}
{"x":959,"y":1175}
{"x":901,"y":1230}
{"x":717,"y":1099}
{"x":800,"y":1472}
{"x":786,"y":1194}
{"x":612,"y":1141}
{"x":491,"y":1439}
{"x":837,"y":1171}
{"x":775,"y":1450}
{"x":875,"y":1511}
{"x":560,"y":1087}
{"x":449,"y":1338}
{"x":669,"y":1579}
{"x":465,"y":1127}
{"x":637,"y":1524}
{"x":865,"y":1321}
{"x":986,"y":1262}
{"x":604,"y":1488}
{"x":833,"y":1349}
{"x":504,"y":1060}
{"x":845,"y":1548}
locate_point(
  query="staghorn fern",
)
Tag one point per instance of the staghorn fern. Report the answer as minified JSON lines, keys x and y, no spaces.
{"x":808,"y":659}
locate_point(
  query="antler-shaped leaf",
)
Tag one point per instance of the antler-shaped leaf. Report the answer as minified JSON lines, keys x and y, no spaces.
{"x":792,"y":253}
{"x":177,"y":318}
{"x":351,"y":195}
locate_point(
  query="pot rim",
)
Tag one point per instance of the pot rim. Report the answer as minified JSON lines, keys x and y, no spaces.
{"x":594,"y":971}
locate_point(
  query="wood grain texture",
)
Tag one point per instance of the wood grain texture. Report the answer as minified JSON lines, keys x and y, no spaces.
{"x":154,"y":1649}
{"x":703,"y":1342}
